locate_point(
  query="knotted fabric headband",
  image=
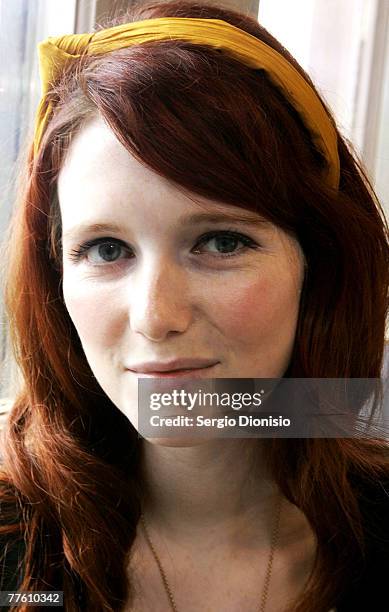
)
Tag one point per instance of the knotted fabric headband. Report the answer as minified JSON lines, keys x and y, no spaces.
{"x":56,"y":53}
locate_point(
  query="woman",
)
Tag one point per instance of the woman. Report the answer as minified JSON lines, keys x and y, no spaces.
{"x":187,"y":209}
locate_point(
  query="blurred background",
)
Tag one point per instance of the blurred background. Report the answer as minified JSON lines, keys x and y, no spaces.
{"x":342,"y":44}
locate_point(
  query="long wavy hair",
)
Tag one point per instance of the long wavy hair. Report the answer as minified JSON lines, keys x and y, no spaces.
{"x":70,"y":487}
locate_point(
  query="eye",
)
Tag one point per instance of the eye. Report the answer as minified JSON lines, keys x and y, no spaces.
{"x":100,"y":250}
{"x":225,"y":243}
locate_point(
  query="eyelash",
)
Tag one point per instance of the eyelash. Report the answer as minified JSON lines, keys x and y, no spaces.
{"x":80,"y":252}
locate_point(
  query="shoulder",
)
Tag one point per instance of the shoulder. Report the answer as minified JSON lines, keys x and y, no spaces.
{"x":11,"y":562}
{"x":12,"y":544}
{"x":368,"y":591}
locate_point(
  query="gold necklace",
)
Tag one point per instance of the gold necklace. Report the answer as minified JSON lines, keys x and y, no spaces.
{"x":274,"y":540}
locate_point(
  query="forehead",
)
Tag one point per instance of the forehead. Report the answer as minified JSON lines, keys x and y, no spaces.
{"x":96,"y":158}
{"x":100,"y":181}
{"x":104,"y":190}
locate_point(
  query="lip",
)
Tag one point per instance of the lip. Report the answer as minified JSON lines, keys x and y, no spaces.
{"x":179,"y":368}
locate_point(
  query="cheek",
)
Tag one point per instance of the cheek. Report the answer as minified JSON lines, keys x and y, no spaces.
{"x":92,"y":312}
{"x":258,"y":308}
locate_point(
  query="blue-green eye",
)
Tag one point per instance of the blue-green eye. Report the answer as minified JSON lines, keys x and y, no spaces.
{"x":109,"y":249}
{"x":225,"y":243}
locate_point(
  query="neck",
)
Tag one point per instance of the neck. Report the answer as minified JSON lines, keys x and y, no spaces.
{"x":219,"y":488}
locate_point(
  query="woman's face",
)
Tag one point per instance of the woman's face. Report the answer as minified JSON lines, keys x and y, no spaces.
{"x":150,"y":276}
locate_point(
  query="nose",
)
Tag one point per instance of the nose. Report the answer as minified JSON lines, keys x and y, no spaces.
{"x":159,"y":304}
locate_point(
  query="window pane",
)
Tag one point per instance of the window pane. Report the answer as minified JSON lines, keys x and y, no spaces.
{"x":23,"y":23}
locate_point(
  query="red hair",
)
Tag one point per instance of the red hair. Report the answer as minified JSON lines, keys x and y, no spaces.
{"x":221,"y":130}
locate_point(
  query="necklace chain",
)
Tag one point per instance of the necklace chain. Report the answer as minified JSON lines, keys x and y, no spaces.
{"x":265,"y":590}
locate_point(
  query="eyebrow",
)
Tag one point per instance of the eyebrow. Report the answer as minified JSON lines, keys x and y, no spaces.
{"x":196,"y":218}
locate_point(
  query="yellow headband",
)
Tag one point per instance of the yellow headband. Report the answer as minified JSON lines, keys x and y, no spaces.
{"x":56,"y":53}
